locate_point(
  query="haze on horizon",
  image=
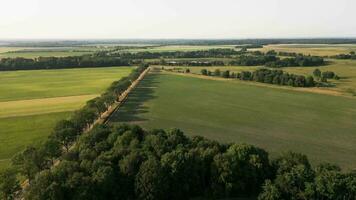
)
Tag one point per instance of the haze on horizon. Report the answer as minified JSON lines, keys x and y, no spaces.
{"x":166,"y":19}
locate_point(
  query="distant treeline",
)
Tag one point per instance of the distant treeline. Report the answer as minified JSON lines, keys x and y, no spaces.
{"x":127,"y":162}
{"x":7,"y":64}
{"x":277,"y":77}
{"x":66,"y":43}
{"x":176,"y":54}
{"x":251,"y":46}
{"x":269,"y":60}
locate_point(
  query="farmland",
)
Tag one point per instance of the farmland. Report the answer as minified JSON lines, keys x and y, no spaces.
{"x":321,"y":126}
{"x":34,"y":52}
{"x":33,"y":101}
{"x":312,"y":49}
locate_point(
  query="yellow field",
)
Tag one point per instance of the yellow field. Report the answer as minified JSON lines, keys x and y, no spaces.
{"x":312,"y":49}
{"x":42,"y":106}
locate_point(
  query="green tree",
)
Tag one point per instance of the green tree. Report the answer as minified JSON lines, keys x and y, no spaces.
{"x":309,"y":82}
{"x":317,"y":73}
{"x":226,"y":74}
{"x":240,"y":171}
{"x":151,"y":181}
{"x":270,"y":192}
{"x":65,"y":132}
{"x":8,"y":184}
{"x":217,"y":72}
{"x":30,"y":162}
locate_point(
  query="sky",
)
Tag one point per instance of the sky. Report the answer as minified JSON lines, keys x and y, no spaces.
{"x":168,"y":19}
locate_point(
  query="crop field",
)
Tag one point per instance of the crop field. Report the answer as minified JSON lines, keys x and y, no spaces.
{"x":33,"y":101}
{"x":312,"y":49}
{"x":321,"y":126}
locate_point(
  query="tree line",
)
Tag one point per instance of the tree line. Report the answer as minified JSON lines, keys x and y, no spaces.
{"x":7,"y":64}
{"x":33,"y":160}
{"x":177,"y":54}
{"x":127,"y":162}
{"x":271,"y":60}
{"x":277,"y":77}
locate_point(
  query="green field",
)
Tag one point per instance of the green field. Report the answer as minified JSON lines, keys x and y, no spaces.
{"x":34,"y":52}
{"x":321,"y":126}
{"x":33,"y":101}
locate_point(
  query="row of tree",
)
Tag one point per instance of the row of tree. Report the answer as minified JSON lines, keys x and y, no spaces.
{"x":7,"y":64}
{"x":351,"y":55}
{"x":269,"y":60}
{"x":215,"y":53}
{"x":33,"y":160}
{"x":127,"y":162}
{"x":264,"y":75}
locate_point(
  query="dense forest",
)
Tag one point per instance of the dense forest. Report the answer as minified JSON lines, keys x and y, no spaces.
{"x":127,"y":162}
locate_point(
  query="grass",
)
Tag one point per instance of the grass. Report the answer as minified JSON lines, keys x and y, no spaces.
{"x":36,"y":106}
{"x":18,"y":132}
{"x":33,"y":101}
{"x":321,"y":126}
{"x":20,"y":85}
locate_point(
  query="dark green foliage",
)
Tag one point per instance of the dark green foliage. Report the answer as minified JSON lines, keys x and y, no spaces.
{"x":328,"y":74}
{"x":204,"y":72}
{"x":277,"y":77}
{"x":8,"y":184}
{"x":270,"y":59}
{"x":226,"y":74}
{"x":126,"y":162}
{"x":317,"y":73}
{"x":295,"y":179}
{"x":216,"y":53}
{"x":7,"y":64}
{"x":241,"y":170}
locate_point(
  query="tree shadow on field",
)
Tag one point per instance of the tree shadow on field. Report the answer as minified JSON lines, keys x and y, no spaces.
{"x":133,"y":107}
